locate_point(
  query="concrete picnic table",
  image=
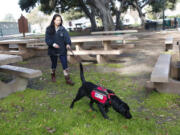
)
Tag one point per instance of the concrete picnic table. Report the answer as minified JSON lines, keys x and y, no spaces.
{"x":8,"y":59}
{"x":21,"y":75}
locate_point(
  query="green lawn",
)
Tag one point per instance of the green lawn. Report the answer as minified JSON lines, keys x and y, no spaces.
{"x":46,"y":112}
{"x":83,"y":33}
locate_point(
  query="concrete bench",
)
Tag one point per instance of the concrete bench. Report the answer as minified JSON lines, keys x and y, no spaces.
{"x":161,"y":79}
{"x":100,"y":54}
{"x":21,"y":79}
{"x":161,"y":70}
{"x":160,"y":75}
{"x":169,"y":43}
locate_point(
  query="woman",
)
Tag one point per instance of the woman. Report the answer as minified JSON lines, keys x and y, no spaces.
{"x":58,"y":41}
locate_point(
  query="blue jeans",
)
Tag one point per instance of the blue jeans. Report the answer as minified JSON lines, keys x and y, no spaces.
{"x":63,"y":59}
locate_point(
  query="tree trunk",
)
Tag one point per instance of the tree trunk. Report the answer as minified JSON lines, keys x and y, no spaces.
{"x":91,"y":15}
{"x":118,"y":14}
{"x":141,"y":15}
{"x":103,"y":7}
{"x":118,"y":21}
{"x":93,"y":20}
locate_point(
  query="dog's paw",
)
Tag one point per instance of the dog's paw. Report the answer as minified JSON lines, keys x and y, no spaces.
{"x":94,"y":110}
{"x":109,"y":119}
{"x":106,"y":111}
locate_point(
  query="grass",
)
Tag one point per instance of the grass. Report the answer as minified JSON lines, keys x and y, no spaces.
{"x":82,"y":33}
{"x":111,"y":65}
{"x":22,"y":62}
{"x":46,"y":112}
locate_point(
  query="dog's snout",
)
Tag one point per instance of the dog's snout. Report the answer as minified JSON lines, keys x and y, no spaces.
{"x":128,"y":116}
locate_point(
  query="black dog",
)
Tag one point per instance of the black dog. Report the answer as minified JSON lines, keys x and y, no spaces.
{"x":103,"y":97}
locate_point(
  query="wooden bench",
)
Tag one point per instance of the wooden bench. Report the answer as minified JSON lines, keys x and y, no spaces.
{"x":21,"y":79}
{"x":100,"y":54}
{"x":113,"y":32}
{"x":168,"y":43}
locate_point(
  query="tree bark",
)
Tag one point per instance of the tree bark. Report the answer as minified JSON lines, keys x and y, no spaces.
{"x":142,"y":16}
{"x":118,"y":14}
{"x":93,"y":20}
{"x":103,"y":7}
{"x":89,"y":14}
{"x":139,"y":9}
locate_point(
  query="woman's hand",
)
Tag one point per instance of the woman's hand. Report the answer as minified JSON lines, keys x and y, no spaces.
{"x":68,"y":47}
{"x":55,"y":45}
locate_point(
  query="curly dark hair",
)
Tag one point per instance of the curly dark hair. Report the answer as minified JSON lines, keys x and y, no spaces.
{"x":51,"y":27}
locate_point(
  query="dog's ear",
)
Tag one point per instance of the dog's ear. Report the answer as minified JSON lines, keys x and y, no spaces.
{"x":110,"y":91}
{"x":126,"y":106}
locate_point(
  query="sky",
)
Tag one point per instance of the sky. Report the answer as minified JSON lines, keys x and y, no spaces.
{"x":10,"y":6}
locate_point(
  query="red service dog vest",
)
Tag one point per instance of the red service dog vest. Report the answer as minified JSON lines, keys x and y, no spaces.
{"x":100,"y":94}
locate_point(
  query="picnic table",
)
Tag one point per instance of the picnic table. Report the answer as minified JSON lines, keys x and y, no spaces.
{"x":21,"y":74}
{"x":105,"y":39}
{"x":24,"y":47}
{"x":100,"y":54}
{"x":114,"y":32}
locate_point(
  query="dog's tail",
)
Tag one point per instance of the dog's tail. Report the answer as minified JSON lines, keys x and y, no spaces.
{"x":82,"y":73}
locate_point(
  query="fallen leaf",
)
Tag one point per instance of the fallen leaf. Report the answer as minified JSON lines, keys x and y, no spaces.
{"x":125,"y":127}
{"x":50,"y":130}
{"x":54,"y":110}
{"x":89,"y":110}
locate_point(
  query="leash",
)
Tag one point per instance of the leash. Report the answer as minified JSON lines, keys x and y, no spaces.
{"x":76,"y":57}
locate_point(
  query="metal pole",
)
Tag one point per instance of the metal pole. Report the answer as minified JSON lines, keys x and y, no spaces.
{"x":164,"y":14}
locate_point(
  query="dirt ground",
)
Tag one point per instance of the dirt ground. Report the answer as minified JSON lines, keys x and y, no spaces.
{"x":137,"y":62}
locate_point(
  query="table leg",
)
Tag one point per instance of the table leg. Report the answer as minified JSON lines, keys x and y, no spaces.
{"x":26,"y":52}
{"x":22,"y":47}
{"x":78,"y":46}
{"x":18,"y":84}
{"x":4,"y":47}
{"x":101,"y":59}
{"x":106,"y":45}
{"x":123,"y":41}
{"x":71,"y":59}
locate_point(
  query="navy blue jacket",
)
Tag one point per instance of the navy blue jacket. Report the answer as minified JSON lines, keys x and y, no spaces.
{"x":61,"y":37}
